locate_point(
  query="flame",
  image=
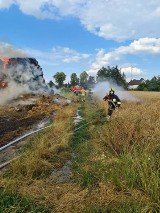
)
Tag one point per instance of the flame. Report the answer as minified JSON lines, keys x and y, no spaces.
{"x":3,"y":83}
{"x":5,"y":62}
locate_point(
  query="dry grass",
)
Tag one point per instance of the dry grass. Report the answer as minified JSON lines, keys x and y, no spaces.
{"x":128,"y":148}
{"x":121,"y":158}
{"x":47,"y":151}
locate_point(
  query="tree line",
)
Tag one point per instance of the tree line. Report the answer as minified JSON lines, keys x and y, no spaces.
{"x":150,"y":85}
{"x":113,"y":74}
{"x":87,"y":81}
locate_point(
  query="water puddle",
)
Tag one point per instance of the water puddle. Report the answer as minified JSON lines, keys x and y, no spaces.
{"x":77,"y":118}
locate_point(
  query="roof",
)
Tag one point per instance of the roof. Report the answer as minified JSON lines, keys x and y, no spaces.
{"x":136,"y":82}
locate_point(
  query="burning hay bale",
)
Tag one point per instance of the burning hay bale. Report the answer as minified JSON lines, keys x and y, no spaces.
{"x":21,"y":76}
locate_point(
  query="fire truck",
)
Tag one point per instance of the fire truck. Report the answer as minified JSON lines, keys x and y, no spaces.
{"x":76,"y":88}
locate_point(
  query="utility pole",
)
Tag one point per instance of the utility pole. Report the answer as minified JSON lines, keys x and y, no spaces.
{"x":131,"y":71}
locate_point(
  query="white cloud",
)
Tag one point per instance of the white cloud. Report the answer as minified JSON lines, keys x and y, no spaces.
{"x":110,"y":19}
{"x":131,"y":70}
{"x":55,"y":56}
{"x":67,"y":55}
{"x":6,"y":4}
{"x":145,"y":46}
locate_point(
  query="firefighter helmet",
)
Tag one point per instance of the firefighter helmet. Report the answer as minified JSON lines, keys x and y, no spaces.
{"x":111,"y":91}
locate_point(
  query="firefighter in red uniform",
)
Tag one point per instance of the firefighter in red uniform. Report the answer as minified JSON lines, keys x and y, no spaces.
{"x":113,"y":102}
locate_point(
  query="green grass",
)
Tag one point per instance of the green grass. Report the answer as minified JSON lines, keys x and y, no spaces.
{"x":82,"y":147}
{"x":14,"y":203}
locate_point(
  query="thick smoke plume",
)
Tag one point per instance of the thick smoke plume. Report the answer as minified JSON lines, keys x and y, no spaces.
{"x":102,"y":88}
{"x":12,"y":91}
{"x":24,"y":76}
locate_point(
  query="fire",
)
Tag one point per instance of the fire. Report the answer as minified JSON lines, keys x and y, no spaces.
{"x":24,"y":72}
{"x":3,"y":84}
{"x":5,"y":62}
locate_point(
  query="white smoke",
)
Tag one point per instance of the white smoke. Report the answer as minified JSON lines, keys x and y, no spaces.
{"x":23,"y":79}
{"x":102,"y":88}
{"x":57,"y":91}
{"x":12,"y":91}
{"x":29,"y":75}
{"x":23,"y":74}
{"x":8,"y":50}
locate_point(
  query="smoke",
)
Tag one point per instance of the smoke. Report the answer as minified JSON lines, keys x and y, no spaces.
{"x":22,"y":74}
{"x":12,"y":91}
{"x":57,"y":91}
{"x":23,"y":79}
{"x":102,"y":88}
{"x":8,"y":50}
{"x":28,"y":76}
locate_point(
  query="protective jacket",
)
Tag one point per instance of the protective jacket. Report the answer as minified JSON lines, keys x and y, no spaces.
{"x":83,"y":92}
{"x":113,"y":99}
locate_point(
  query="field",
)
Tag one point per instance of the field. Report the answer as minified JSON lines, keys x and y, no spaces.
{"x":103,"y":167}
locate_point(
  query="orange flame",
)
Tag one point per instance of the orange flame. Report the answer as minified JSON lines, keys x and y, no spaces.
{"x":5,"y":62}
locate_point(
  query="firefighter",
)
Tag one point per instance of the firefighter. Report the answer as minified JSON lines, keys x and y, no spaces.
{"x":83,"y":95}
{"x":76,"y":92}
{"x":90,"y":94}
{"x":113,"y":102}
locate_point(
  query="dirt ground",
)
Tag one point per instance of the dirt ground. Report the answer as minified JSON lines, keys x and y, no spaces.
{"x":24,"y":113}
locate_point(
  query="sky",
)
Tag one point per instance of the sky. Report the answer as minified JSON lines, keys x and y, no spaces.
{"x":73,"y":36}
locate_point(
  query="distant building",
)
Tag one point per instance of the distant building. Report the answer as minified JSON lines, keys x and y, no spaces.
{"x":133,"y":84}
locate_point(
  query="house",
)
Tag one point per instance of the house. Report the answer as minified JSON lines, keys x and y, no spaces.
{"x":133,"y":84}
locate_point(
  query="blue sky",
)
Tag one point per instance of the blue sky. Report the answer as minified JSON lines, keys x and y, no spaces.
{"x":77,"y":35}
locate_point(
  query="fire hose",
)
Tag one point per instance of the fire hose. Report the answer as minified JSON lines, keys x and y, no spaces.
{"x":15,"y":141}
{"x":24,"y":136}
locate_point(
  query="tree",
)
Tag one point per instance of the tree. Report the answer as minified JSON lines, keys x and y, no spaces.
{"x":91,"y":81}
{"x":84,"y":79}
{"x":59,"y":78}
{"x":113,"y":74}
{"x":74,"y":79}
{"x":102,"y":74}
{"x":51,"y":84}
{"x":150,"y":85}
{"x":118,"y":77}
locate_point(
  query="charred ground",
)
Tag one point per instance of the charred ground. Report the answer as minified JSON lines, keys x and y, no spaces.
{"x":24,"y":113}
